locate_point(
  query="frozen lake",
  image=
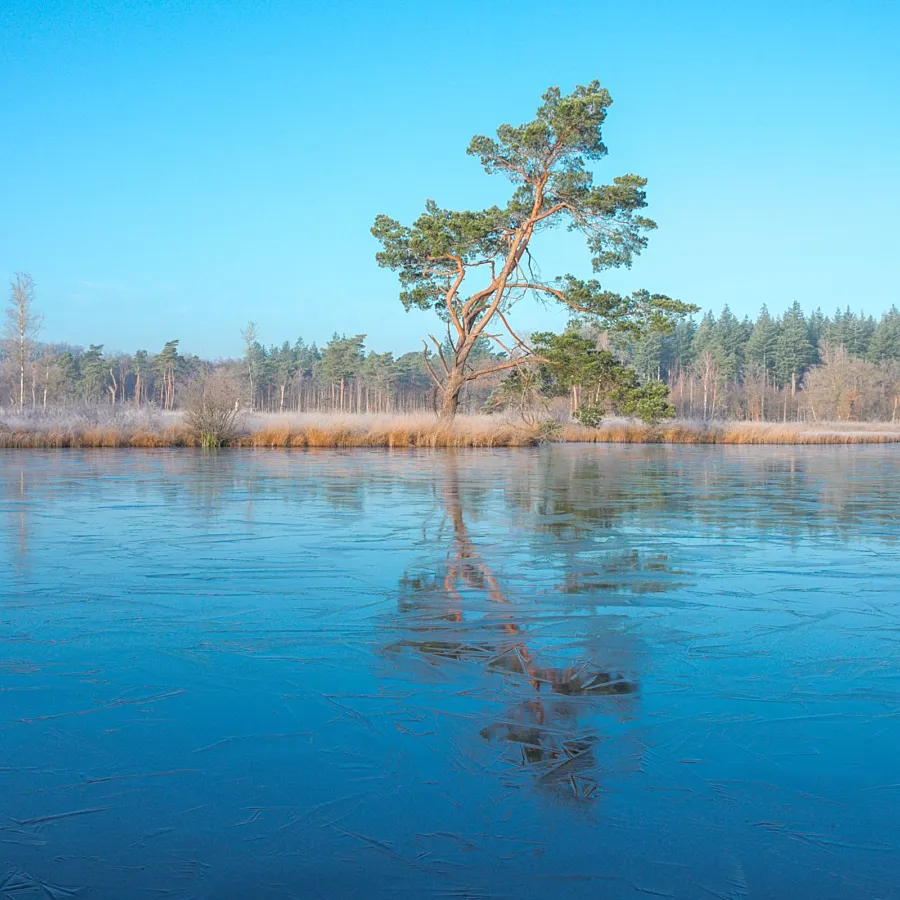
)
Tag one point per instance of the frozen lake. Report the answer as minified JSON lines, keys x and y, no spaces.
{"x":612,"y":672}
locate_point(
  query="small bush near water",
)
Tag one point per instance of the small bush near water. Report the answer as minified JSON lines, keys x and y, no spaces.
{"x":211,"y":410}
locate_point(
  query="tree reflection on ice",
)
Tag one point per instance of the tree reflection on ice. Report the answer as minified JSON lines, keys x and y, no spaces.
{"x":551,"y":728}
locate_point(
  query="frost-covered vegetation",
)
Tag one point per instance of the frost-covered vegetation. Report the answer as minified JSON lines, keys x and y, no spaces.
{"x":98,"y":426}
{"x":844,"y":367}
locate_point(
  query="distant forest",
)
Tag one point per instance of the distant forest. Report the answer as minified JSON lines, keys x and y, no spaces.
{"x":793,"y":367}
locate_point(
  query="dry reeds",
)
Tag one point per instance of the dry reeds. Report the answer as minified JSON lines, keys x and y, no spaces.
{"x":629,"y":432}
{"x":154,"y":431}
{"x":392,"y":432}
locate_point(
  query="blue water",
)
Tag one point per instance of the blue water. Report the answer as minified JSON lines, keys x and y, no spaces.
{"x":617,"y":672}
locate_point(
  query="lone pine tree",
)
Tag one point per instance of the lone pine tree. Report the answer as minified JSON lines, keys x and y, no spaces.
{"x":472,"y":266}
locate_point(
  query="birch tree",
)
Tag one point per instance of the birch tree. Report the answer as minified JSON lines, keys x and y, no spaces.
{"x":22,"y":325}
{"x":249,"y":334}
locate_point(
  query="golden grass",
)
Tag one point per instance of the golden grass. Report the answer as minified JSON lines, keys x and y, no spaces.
{"x":628,"y":432}
{"x":422,"y":431}
{"x":393,"y":432}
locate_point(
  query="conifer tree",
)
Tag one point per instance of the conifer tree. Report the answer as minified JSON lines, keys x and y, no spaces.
{"x":472,"y":266}
{"x":342,"y":361}
{"x":731,"y":338}
{"x":794,"y":352}
{"x":761,"y":344}
{"x":885,"y":344}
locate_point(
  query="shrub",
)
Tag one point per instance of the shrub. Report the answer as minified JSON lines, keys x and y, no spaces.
{"x":589,"y":415}
{"x":645,"y":401}
{"x":211,"y":410}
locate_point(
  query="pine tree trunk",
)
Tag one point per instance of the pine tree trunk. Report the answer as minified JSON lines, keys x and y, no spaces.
{"x":450,"y":401}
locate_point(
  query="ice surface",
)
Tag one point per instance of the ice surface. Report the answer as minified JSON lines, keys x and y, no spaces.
{"x":608,"y":671}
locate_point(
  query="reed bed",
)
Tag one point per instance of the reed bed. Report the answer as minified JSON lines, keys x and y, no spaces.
{"x":630,"y":432}
{"x":152,"y":430}
{"x":399,"y":432}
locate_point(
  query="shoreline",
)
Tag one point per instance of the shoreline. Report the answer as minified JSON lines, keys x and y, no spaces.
{"x":424,"y":432}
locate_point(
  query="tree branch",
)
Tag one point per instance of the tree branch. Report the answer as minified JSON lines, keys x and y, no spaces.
{"x":440,"y":354}
{"x":515,"y":337}
{"x":451,"y":293}
{"x":434,"y":377}
{"x":517,"y":247}
{"x":533,"y":286}
{"x":552,"y":211}
{"x":509,"y":364}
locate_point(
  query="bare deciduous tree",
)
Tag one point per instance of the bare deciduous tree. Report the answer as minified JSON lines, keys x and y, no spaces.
{"x":707,"y":372}
{"x":249,"y":334}
{"x":841,"y":387}
{"x":889,"y":381}
{"x":22,"y":324}
{"x":211,"y":409}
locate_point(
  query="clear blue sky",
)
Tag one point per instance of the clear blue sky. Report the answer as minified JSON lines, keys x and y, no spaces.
{"x":173,"y":169}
